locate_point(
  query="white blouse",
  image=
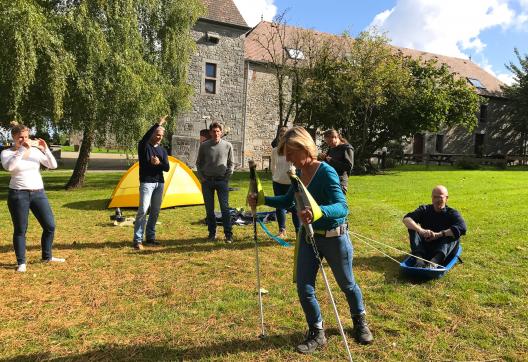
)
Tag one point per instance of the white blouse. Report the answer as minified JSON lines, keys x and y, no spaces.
{"x":279,"y":168}
{"x":25,"y":171}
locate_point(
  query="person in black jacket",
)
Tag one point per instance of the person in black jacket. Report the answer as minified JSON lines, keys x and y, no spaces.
{"x":340,"y":156}
{"x":153,"y":161}
{"x":434,"y":229}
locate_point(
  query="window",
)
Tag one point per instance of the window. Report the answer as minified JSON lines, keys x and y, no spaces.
{"x":483,"y":113}
{"x":296,"y":54}
{"x":210,"y":78}
{"x":476,"y":83}
{"x":439,"y":147}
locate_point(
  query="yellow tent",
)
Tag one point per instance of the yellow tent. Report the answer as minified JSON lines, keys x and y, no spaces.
{"x":181,"y":187}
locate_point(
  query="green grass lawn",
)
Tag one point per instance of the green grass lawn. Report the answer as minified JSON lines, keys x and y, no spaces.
{"x":195,"y":300}
{"x":94,"y":150}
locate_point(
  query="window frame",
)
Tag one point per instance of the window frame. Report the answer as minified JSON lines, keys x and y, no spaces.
{"x":206,"y":79}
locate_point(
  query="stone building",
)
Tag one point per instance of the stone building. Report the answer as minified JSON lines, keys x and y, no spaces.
{"x":216,"y":73}
{"x":235,"y":85}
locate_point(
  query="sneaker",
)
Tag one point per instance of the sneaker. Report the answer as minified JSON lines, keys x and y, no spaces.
{"x":420,"y":264}
{"x":21,"y":268}
{"x":361,"y":330}
{"x":282,"y":234}
{"x":315,"y":338}
{"x":152,"y":242}
{"x":54,"y":260}
{"x":138,"y":246}
{"x":228,"y":239}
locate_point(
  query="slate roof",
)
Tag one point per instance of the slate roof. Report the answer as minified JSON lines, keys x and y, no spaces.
{"x":463,"y":67}
{"x":224,"y":11}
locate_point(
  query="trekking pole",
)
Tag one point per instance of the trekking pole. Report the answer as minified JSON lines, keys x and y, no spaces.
{"x":254,"y":190}
{"x":301,"y":203}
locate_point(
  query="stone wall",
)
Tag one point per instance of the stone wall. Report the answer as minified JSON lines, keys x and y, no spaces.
{"x":227,"y":105}
{"x":497,"y":133}
{"x":262,"y":114}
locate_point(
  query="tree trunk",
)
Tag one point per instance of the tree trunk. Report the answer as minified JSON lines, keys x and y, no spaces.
{"x":77,"y":177}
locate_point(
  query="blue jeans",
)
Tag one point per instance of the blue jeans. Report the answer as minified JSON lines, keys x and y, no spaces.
{"x":19,"y":203}
{"x":281,"y":189}
{"x":221,"y":186}
{"x":427,"y":250}
{"x":150,"y":196}
{"x":338,"y":253}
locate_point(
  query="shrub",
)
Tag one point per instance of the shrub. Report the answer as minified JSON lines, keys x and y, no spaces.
{"x":467,"y":163}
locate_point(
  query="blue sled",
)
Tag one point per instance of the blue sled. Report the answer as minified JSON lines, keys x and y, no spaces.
{"x":407,"y":267}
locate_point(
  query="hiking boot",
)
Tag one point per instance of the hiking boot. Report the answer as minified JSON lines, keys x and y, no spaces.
{"x":138,"y":246}
{"x":152,"y":242}
{"x":315,"y":338}
{"x":361,"y":330}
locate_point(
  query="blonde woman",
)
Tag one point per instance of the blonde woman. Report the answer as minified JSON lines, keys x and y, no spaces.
{"x":331,"y":238}
{"x":26,"y":192}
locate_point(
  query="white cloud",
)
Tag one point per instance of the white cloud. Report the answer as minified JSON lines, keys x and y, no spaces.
{"x":447,"y":27}
{"x":506,"y":78}
{"x":253,"y":10}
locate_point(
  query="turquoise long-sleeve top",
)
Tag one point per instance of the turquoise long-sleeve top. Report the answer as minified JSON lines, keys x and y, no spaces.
{"x":326,"y":191}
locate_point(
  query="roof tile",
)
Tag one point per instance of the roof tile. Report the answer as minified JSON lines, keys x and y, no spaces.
{"x":224,"y":11}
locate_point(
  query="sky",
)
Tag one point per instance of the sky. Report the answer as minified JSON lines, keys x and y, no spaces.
{"x":487,"y":31}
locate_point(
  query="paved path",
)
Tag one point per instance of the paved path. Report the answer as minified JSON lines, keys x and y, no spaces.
{"x":98,"y":161}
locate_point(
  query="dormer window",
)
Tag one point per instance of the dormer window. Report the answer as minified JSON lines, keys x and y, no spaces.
{"x":212,"y":37}
{"x":476,"y":83}
{"x":296,"y":54}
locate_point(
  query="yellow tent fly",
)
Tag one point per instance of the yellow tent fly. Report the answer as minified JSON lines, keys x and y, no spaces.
{"x":181,"y":187}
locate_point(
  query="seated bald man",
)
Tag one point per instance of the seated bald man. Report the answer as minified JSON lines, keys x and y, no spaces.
{"x":434,"y":229}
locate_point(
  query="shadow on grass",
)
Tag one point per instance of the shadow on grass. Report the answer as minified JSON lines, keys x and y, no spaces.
{"x":88,"y":205}
{"x":167,"y":353}
{"x":198,"y":245}
{"x":390,"y":270}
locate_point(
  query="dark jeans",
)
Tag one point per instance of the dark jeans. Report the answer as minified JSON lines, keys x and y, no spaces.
{"x":428,"y":250}
{"x":338,"y":252}
{"x":19,"y":203}
{"x":281,"y":189}
{"x":221,"y":186}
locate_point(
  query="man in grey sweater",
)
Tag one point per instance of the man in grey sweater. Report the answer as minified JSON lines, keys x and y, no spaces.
{"x":214,"y":167}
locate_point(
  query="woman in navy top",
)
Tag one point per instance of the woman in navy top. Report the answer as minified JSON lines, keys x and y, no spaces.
{"x":331,"y":238}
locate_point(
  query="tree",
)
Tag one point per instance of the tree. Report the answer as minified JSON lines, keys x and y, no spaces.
{"x":126,"y":64}
{"x":34,"y":64}
{"x":290,"y":53}
{"x":374,"y":95}
{"x":517,"y":95}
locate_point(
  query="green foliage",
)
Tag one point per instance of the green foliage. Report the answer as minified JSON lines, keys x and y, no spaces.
{"x":34,"y":64}
{"x":103,"y":68}
{"x":374,"y":95}
{"x":517,"y":95}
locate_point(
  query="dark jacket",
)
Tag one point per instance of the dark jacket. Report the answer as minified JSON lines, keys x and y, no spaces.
{"x":342,"y":160}
{"x":147,"y":171}
{"x":448,"y":218}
